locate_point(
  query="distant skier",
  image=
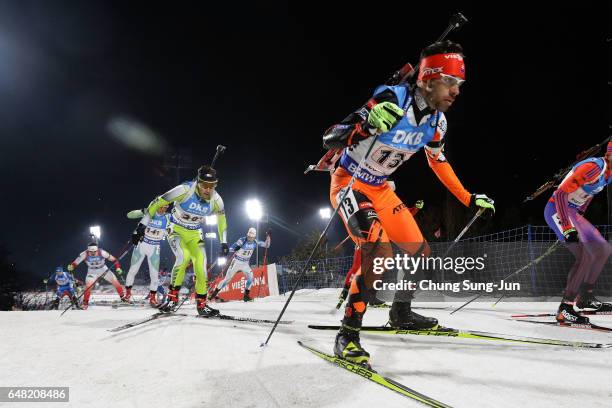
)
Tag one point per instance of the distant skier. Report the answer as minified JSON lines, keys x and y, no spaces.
{"x":147,"y":238}
{"x":163,"y":283}
{"x":243,"y":250}
{"x":95,"y":258}
{"x":193,"y":202}
{"x":65,"y":287}
{"x":564,"y":215}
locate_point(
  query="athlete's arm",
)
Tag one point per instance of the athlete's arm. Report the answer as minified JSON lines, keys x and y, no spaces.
{"x":583,"y":174}
{"x":219,"y":210}
{"x":111,"y":258}
{"x":77,"y":261}
{"x":264,"y":244}
{"x":355,"y":127}
{"x":176,"y":194}
{"x":142,"y":214}
{"x":434,"y":150}
{"x":237,"y":245}
{"x":135,"y":214}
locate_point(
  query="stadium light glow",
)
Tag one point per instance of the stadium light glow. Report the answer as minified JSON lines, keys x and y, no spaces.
{"x":95,"y":231}
{"x":254,"y":209}
{"x":325,"y":213}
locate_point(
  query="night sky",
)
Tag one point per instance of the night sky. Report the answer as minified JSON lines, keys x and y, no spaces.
{"x":266,"y":81}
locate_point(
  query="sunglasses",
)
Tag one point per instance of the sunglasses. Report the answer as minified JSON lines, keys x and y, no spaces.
{"x":450,"y":80}
{"x":207,"y":184}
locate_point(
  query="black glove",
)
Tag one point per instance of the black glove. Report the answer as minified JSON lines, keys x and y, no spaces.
{"x":269,"y":232}
{"x":571,"y":235}
{"x":138,"y":235}
{"x":343,"y":296}
{"x":224,"y":249}
{"x":344,"y":293}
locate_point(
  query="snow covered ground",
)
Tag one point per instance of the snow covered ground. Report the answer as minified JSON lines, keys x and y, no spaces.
{"x":188,"y":362}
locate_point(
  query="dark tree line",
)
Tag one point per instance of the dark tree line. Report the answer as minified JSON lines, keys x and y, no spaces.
{"x":9,"y":280}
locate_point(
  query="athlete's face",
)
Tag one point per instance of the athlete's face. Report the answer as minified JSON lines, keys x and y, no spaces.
{"x":162,"y":210}
{"x":205,"y":189}
{"x":441,"y":93}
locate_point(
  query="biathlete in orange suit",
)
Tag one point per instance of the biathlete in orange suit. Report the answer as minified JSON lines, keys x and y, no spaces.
{"x":397,"y":122}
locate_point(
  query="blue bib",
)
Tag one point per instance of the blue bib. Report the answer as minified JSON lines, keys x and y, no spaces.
{"x":62,"y":279}
{"x":190,"y":212}
{"x":156,"y":229}
{"x":394,"y":147}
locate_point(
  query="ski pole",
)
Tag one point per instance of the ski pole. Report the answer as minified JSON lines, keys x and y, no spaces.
{"x":456,"y":21}
{"x":549,"y":251}
{"x":120,"y":258}
{"x":342,"y":243}
{"x":498,"y":300}
{"x":218,"y":152}
{"x":265,"y":258}
{"x":462,"y":233}
{"x":265,"y":269}
{"x":561,"y":173}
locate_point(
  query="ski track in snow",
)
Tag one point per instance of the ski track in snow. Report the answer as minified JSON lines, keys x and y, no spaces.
{"x":182,"y":361}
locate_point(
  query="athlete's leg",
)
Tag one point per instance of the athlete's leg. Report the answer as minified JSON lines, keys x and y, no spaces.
{"x":229,"y":274}
{"x":595,"y":245}
{"x":59,"y":293}
{"x":596,"y":251}
{"x":178,"y":242}
{"x":136,"y":261}
{"x":92,"y":275}
{"x":362,"y":222}
{"x":248,"y":272}
{"x":197,"y":250}
{"x":403,"y":231}
{"x":198,"y":258}
{"x":153,"y":260}
{"x":577,"y":272}
{"x":112,"y":279}
{"x":69,"y":291}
